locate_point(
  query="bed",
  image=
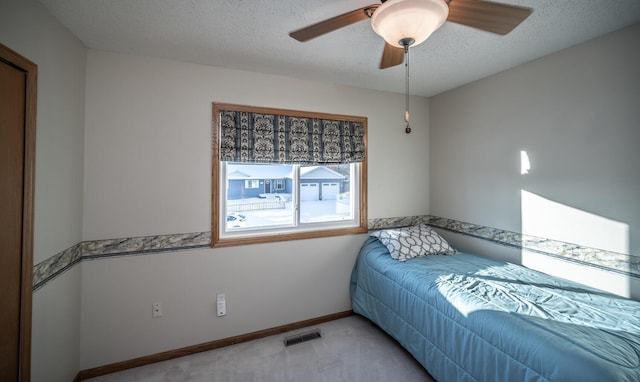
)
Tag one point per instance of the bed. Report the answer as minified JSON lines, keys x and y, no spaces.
{"x":470,"y":318}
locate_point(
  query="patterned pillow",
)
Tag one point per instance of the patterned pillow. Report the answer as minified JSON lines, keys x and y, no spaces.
{"x":408,"y":242}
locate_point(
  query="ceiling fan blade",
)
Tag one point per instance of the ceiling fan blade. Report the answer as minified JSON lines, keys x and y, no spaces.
{"x":337,"y":22}
{"x":487,"y":16}
{"x":391,"y":56}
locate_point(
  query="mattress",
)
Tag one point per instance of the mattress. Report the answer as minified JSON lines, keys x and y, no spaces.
{"x":469,"y":318}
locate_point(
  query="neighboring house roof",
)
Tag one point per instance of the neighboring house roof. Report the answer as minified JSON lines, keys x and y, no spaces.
{"x":239,"y":171}
{"x":238,"y":175}
{"x":320,"y":172}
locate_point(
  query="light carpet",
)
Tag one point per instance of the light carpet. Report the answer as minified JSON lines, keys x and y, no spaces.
{"x":351,"y":349}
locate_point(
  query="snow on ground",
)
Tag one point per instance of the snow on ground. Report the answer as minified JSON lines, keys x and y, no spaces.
{"x":310,"y":211}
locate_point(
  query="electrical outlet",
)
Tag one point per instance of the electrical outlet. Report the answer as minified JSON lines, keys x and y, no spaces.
{"x":157,"y":310}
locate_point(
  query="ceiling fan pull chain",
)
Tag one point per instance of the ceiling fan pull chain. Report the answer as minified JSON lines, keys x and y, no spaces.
{"x":406,"y":65}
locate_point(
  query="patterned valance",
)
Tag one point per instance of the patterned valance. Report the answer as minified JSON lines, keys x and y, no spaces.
{"x":257,"y":137}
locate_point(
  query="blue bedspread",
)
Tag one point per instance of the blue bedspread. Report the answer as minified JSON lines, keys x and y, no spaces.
{"x":468,"y":318}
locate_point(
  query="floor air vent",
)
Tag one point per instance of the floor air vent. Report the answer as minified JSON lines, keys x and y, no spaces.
{"x":302,"y":337}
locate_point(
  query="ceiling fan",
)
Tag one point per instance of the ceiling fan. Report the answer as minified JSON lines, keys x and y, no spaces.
{"x":404,"y":23}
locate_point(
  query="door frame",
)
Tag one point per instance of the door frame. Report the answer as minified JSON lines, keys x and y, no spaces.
{"x":26,"y":288}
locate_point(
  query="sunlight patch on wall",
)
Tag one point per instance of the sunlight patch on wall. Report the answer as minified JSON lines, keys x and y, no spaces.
{"x":525,"y":163}
{"x":549,"y":219}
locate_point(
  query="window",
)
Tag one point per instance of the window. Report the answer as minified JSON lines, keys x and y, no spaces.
{"x":275,"y":198}
{"x":251,"y":183}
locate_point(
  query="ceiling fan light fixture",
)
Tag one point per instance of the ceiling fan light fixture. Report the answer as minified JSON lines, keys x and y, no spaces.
{"x":396,"y":20}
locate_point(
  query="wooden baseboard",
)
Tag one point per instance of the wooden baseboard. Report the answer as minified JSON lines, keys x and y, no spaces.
{"x":171,"y":354}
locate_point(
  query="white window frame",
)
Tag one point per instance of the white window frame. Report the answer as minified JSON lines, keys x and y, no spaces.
{"x":296,"y":227}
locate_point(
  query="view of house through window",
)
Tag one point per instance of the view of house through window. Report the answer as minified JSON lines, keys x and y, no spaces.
{"x":286,"y":175}
{"x":264,"y":196}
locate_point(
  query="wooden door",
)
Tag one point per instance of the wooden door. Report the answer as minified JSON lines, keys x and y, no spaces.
{"x":17,"y":146}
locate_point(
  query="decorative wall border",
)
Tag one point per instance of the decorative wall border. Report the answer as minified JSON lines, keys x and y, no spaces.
{"x":54,"y":266}
{"x":628,"y":265}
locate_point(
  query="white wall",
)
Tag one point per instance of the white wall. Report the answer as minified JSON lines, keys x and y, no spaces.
{"x":576,"y":115}
{"x":148,"y":141}
{"x":148,"y":171}
{"x":26,"y":27}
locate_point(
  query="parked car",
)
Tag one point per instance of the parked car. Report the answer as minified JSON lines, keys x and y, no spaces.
{"x":235,"y":220}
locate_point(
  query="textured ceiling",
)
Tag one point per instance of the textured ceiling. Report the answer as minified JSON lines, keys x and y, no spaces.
{"x":253,"y":35}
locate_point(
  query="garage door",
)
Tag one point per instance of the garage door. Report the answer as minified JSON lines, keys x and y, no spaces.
{"x":330,"y":191}
{"x":309,"y":191}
